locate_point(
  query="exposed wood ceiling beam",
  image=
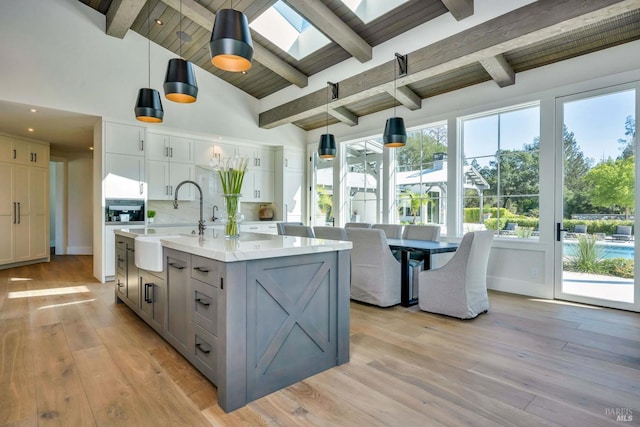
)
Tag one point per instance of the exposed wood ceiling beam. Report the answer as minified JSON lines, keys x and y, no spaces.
{"x":333,"y":27}
{"x":406,"y":97}
{"x":499,"y":70}
{"x":121,"y":15}
{"x":204,"y":17}
{"x":460,"y":9}
{"x":527,"y":25}
{"x":344,"y":115}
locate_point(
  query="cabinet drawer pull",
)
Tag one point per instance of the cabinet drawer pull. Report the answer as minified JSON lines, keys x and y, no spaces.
{"x":201,"y":269}
{"x":120,"y":285}
{"x":202,"y":349}
{"x":176,"y":266}
{"x":148,"y":296}
{"x":202,"y":302}
{"x":120,"y":242}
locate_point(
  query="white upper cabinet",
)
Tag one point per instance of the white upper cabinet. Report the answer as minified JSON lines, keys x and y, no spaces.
{"x":169,"y":148}
{"x":259,"y":158}
{"x":23,"y":152}
{"x":124,"y":139}
{"x":124,"y":177}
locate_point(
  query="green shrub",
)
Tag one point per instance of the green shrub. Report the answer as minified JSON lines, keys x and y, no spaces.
{"x":618,"y":267}
{"x":587,"y":257}
{"x":472,"y":215}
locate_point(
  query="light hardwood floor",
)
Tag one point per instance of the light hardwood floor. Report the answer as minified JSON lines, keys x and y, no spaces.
{"x":69,"y":356}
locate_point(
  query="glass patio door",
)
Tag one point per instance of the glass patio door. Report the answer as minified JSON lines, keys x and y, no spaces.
{"x":595,"y":198}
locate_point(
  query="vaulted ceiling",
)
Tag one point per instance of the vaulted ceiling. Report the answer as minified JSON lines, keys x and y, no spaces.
{"x":540,"y":33}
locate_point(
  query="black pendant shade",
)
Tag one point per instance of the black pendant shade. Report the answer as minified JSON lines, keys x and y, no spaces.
{"x":180,"y":82}
{"x":327,"y":146}
{"x":395,"y":134}
{"x":231,"y":47}
{"x":148,"y":106}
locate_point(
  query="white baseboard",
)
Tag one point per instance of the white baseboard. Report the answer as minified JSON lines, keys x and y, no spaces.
{"x":79,"y":250}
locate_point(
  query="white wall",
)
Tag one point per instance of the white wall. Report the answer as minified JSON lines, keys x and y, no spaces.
{"x":79,"y":204}
{"x":56,"y":54}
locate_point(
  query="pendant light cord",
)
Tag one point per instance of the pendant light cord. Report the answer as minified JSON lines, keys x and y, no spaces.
{"x":180,"y":34}
{"x":395,"y":79}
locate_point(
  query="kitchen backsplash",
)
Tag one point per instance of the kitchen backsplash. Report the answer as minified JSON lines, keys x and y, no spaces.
{"x":189,"y":212}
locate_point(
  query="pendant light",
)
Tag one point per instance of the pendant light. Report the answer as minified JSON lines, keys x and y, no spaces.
{"x":231,"y":46}
{"x":180,"y":82}
{"x":395,"y":134}
{"x":327,"y":146}
{"x":148,"y":106}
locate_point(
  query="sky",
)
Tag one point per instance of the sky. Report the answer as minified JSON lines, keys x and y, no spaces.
{"x":597,"y":123}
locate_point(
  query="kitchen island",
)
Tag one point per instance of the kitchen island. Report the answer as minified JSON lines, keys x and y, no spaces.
{"x":254,"y":314}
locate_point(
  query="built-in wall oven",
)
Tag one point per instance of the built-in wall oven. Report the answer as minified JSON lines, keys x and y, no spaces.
{"x":119,"y":211}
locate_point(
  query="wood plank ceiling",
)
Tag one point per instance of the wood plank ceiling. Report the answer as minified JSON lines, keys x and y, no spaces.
{"x":535,"y":35}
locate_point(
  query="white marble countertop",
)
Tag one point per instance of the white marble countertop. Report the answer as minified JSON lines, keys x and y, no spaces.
{"x":249,"y":246}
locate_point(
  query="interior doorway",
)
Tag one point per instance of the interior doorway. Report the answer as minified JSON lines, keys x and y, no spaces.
{"x":57,"y":207}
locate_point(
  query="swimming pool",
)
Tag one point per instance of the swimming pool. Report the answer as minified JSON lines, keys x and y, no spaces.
{"x":609,"y":250}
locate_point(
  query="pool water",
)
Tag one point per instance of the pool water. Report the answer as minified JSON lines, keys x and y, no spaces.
{"x":608,"y":251}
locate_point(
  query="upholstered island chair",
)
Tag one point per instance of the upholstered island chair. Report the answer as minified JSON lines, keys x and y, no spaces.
{"x":375,"y":273}
{"x":280,"y":226}
{"x":392,"y":231}
{"x":459,"y":288}
{"x":331,"y":233}
{"x":297,"y":230}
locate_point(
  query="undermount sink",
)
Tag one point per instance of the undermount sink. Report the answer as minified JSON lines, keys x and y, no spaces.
{"x":148,"y":253}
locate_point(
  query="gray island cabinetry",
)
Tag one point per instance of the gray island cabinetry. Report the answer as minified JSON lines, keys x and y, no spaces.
{"x":253,"y":315}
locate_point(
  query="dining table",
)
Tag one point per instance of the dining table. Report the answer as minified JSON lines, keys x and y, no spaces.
{"x":424,"y":247}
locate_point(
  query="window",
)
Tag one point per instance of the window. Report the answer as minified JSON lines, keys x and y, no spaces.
{"x":363,"y":169}
{"x":501,"y":172}
{"x":421,"y":177}
{"x":323,"y":208}
{"x":285,"y":28}
{"x":368,"y":10}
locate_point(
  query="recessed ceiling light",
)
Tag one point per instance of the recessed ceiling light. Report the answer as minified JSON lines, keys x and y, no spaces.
{"x":159,"y":22}
{"x":30,"y":129}
{"x":33,"y":110}
{"x":91,"y":148}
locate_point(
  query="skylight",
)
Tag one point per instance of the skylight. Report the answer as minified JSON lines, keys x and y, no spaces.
{"x":283,"y":27}
{"x":368,"y":10}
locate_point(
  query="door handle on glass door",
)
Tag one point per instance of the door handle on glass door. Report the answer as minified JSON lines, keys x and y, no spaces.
{"x":559,"y":231}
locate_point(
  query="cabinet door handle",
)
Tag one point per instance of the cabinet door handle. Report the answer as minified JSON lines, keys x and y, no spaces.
{"x":202,"y":302}
{"x":201,"y":269}
{"x":171,"y":152}
{"x":31,"y":157}
{"x":19,"y":213}
{"x":141,"y":188}
{"x":222,"y":283}
{"x":148,"y":296}
{"x":141,"y":144}
{"x":166,"y":151}
{"x":202,"y":349}
{"x":35,"y":157}
{"x":120,"y":285}
{"x":286,"y":163}
{"x":15,"y":154}
{"x":15,"y":215}
{"x":176,"y":266}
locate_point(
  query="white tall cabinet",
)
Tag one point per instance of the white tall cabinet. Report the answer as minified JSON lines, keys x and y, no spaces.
{"x":290,"y":199}
{"x":124,"y":174}
{"x":24,"y":206}
{"x":169,"y":162}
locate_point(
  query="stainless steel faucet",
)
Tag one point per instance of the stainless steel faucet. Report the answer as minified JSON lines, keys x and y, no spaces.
{"x":201,"y":225}
{"x":214,"y":217}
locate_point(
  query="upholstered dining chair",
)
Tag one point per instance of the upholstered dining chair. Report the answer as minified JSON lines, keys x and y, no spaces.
{"x":331,"y":233}
{"x":421,"y":232}
{"x":298,"y":230}
{"x":392,"y":231}
{"x":459,"y":288}
{"x":375,"y":273}
{"x":357,"y":225}
{"x":280,"y":226}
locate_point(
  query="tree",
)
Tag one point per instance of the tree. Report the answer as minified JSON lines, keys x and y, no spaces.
{"x":611,"y":184}
{"x":629,"y":142}
{"x":421,"y":145}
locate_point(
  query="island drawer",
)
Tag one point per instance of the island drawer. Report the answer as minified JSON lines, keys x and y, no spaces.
{"x":204,"y":352}
{"x":205,"y":305}
{"x":205,"y":269}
